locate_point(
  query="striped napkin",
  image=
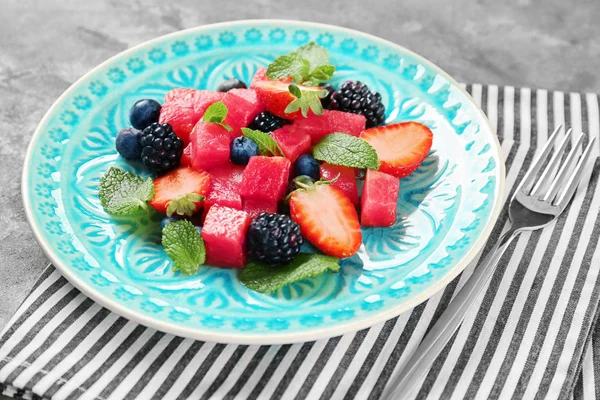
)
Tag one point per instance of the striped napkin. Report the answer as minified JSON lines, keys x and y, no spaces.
{"x":529,"y":337}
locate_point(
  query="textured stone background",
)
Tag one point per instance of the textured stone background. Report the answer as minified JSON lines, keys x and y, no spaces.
{"x":45,"y":45}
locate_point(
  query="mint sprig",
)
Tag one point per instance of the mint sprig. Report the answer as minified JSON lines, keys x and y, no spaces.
{"x":216,"y":113}
{"x":309,"y":64}
{"x":266,"y":279}
{"x":123,"y":193}
{"x":266,"y":144}
{"x":183,"y":243}
{"x":347,"y":150}
{"x":305,"y":100}
{"x":185,"y":204}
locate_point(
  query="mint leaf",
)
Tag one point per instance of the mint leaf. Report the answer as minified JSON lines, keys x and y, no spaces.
{"x":266,"y":279}
{"x":183,"y":243}
{"x":185,"y":204}
{"x":122,"y":192}
{"x":266,"y":144}
{"x":305,"y":100}
{"x":216,"y":113}
{"x":289,"y":65}
{"x":320,"y":74}
{"x":350,"y":151}
{"x":315,"y":55}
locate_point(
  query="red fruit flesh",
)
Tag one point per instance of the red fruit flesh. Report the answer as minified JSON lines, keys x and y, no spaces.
{"x":379,"y":198}
{"x":346,"y":181}
{"x":203,"y":99}
{"x":261,"y":75}
{"x":224,"y":235}
{"x":178,"y":111}
{"x":255,"y":207}
{"x":186,"y":157}
{"x":292,"y":142}
{"x":265,"y":178}
{"x":276,"y":96}
{"x":243,"y":105}
{"x":225,"y":189}
{"x":318,"y":126}
{"x":210,"y":146}
{"x":179,"y":182}
{"x":327,"y":219}
{"x":401,"y":147}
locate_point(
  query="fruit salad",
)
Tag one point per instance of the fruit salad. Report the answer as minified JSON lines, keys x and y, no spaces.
{"x":247,"y":174}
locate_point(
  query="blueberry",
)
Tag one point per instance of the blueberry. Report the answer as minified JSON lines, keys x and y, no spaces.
{"x":128,"y":143}
{"x":229,"y":84}
{"x":166,"y":220}
{"x":307,"y":165}
{"x":143,"y":113}
{"x":242,"y":149}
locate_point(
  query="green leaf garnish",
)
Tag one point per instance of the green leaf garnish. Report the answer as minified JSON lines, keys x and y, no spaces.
{"x":309,"y":64}
{"x":216,"y":113}
{"x":266,"y":279}
{"x":266,"y":144}
{"x":185,"y":204}
{"x":347,"y":150}
{"x":305,"y":100}
{"x":123,"y":193}
{"x":184,"y":244}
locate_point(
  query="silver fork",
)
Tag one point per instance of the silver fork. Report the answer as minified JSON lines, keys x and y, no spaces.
{"x":536,"y":203}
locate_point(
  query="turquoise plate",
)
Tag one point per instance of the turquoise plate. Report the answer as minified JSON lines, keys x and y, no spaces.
{"x":445,"y":212}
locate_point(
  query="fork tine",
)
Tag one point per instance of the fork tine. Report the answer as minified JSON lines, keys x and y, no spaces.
{"x":529,"y":178}
{"x":564,"y":199}
{"x":564,"y":170}
{"x":548,"y":174}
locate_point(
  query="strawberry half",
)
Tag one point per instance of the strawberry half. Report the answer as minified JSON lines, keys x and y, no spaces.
{"x":275,"y":95}
{"x":181,"y":191}
{"x":327,"y":218}
{"x":401,"y":147}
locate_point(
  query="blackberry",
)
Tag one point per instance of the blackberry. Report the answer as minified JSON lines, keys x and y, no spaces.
{"x":355,"y":97}
{"x":326,"y":101}
{"x":274,"y":239}
{"x":267,"y":122}
{"x":161,"y":148}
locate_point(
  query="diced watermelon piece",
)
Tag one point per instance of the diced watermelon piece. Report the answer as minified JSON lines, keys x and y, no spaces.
{"x":318,"y":126}
{"x":254,"y":207}
{"x":186,"y":157}
{"x":203,"y":99}
{"x":226,"y":180}
{"x":224,"y":234}
{"x":379,"y":198}
{"x":346,"y":181}
{"x":241,"y":111}
{"x":265,"y":178}
{"x":293,"y":142}
{"x":178,"y":111}
{"x":210,"y":146}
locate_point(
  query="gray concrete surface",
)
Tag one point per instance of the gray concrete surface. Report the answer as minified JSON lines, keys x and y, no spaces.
{"x":45,"y":45}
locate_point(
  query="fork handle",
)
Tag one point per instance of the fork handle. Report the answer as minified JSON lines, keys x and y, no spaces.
{"x":443,"y":330}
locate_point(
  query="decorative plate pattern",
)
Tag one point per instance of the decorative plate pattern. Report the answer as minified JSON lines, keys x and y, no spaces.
{"x":445,"y":211}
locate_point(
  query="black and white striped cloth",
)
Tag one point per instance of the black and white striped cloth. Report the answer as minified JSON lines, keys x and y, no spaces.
{"x":531,"y":336}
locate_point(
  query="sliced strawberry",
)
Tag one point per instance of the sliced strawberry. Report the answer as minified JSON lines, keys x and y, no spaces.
{"x":275,"y":95}
{"x":327,"y":219}
{"x":401,"y":147}
{"x":186,"y":157}
{"x":178,"y":191}
{"x":261,"y":75}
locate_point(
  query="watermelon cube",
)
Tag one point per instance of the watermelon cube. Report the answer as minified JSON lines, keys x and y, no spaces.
{"x":186,"y":157}
{"x":178,"y":111}
{"x":203,"y":99}
{"x":254,"y":207}
{"x":242,"y":108}
{"x":318,"y":126}
{"x":225,"y":191}
{"x":292,"y":142}
{"x":210,"y":146}
{"x":265,"y":178}
{"x":379,"y":198}
{"x":224,"y":235}
{"x":346,"y":181}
